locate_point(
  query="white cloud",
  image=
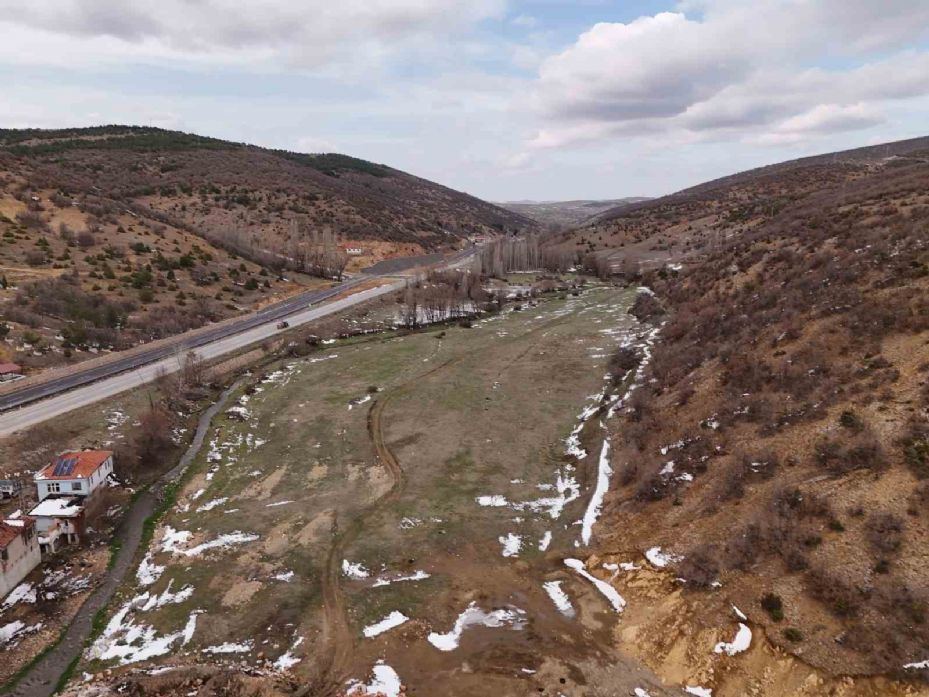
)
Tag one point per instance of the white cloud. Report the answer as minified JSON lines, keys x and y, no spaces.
{"x":297,"y":33}
{"x":725,"y":68}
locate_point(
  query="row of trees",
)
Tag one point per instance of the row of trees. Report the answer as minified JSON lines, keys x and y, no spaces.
{"x":305,"y":248}
{"x":526,"y":253}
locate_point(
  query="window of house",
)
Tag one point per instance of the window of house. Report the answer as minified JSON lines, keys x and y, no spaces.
{"x":54,"y":487}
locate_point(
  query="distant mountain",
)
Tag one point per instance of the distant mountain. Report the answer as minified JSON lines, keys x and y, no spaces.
{"x":567,"y":213}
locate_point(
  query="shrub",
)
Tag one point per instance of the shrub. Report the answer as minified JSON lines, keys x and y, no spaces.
{"x":884,"y":532}
{"x":793,"y":634}
{"x":773,"y":605}
{"x":646,"y":307}
{"x":700,"y":567}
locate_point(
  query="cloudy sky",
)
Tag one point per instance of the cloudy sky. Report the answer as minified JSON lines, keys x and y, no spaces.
{"x":506,"y":99}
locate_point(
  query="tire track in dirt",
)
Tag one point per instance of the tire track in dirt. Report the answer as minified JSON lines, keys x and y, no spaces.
{"x":337,"y":631}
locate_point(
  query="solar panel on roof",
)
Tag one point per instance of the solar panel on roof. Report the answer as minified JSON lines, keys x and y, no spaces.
{"x":64,"y":466}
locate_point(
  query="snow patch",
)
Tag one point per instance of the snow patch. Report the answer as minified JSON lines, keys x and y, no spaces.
{"x":559,"y":598}
{"x":512,"y":617}
{"x":610,"y":593}
{"x":394,"y":619}
{"x":596,"y":500}
{"x":741,"y":642}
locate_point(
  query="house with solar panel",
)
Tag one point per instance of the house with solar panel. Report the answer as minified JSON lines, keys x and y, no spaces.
{"x":66,"y":488}
{"x":78,"y":473}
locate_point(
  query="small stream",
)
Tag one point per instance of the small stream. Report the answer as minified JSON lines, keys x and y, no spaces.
{"x":42,"y":678}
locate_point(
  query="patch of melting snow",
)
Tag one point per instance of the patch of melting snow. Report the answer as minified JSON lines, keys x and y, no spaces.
{"x":416,"y":576}
{"x":919,"y":665}
{"x":16,"y":630}
{"x":148,"y":572}
{"x":494,"y":500}
{"x":167,"y":597}
{"x":173,"y":541}
{"x":660,"y":559}
{"x":124,"y":640}
{"x":610,"y":593}
{"x":559,"y":598}
{"x":512,"y":543}
{"x":394,"y":619}
{"x":596,"y":500}
{"x":23,"y":593}
{"x":229,"y":647}
{"x":385,"y":683}
{"x":358,"y":401}
{"x":210,"y":505}
{"x":285,"y":576}
{"x":545,"y":541}
{"x":287,"y":660}
{"x":354,"y":570}
{"x":323,"y":358}
{"x":698,"y":691}
{"x":512,"y":617}
{"x":277,"y":503}
{"x":741,"y":642}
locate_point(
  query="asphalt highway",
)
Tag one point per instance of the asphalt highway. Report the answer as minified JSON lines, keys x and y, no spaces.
{"x":36,"y":403}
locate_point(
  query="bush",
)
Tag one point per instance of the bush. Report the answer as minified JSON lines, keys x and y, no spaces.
{"x":700,"y":567}
{"x":646,"y":307}
{"x":884,"y":532}
{"x":792,"y":634}
{"x":773,"y":605}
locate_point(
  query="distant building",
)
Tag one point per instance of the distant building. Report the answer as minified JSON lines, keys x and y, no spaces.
{"x":9,"y":371}
{"x":19,"y":552}
{"x":10,"y":488}
{"x":75,"y":474}
{"x":353,"y":251}
{"x":59,"y":521}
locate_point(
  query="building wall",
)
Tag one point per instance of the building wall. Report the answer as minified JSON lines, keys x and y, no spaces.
{"x":23,"y":556}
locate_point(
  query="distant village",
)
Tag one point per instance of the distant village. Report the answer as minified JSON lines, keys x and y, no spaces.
{"x":68,"y":491}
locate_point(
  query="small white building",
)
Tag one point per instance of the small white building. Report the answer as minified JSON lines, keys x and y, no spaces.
{"x":19,"y":552}
{"x":58,"y":521}
{"x":78,"y":473}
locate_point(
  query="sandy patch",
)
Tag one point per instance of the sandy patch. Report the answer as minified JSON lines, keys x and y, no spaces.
{"x":317,"y":529}
{"x":241,"y":593}
{"x":262,"y":489}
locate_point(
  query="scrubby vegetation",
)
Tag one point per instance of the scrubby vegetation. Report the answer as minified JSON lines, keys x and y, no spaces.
{"x":791,"y":377}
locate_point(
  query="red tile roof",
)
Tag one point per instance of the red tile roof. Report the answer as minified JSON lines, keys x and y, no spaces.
{"x":9,"y":368}
{"x":8,"y":533}
{"x":87,"y":463}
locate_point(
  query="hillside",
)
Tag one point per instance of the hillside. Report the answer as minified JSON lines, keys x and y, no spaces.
{"x":115,"y":235}
{"x":560,"y":214}
{"x":780,"y":442}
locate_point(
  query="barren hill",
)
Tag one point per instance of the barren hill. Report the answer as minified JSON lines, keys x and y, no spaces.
{"x":114,"y":235}
{"x":780,"y":444}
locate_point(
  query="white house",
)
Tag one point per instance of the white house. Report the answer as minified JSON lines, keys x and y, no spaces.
{"x":78,"y":473}
{"x":19,"y":552}
{"x":58,"y":520}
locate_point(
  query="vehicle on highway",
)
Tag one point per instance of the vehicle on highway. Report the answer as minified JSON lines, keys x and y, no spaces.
{"x":283,"y":324}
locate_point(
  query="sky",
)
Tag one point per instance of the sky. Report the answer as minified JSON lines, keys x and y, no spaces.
{"x":504,"y":99}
